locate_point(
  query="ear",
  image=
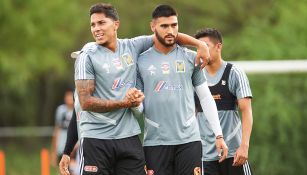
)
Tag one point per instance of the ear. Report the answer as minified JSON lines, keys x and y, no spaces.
{"x":117,"y":24}
{"x":219,"y":47}
{"x":152,"y":25}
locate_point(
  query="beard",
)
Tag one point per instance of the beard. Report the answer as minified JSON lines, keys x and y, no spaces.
{"x":163,"y":40}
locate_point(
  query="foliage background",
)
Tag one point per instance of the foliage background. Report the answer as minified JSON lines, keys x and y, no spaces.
{"x":38,"y":36}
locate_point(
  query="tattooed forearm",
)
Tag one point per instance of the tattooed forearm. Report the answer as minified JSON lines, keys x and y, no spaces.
{"x":88,"y":102}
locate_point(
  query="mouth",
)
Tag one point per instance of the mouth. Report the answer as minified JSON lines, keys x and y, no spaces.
{"x":169,"y":37}
{"x":99,"y":36}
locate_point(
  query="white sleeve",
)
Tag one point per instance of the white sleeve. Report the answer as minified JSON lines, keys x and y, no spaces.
{"x":209,"y":107}
{"x":138,"y":111}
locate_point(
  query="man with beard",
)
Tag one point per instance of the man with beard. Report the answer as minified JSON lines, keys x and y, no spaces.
{"x":167,"y":76}
{"x":105,"y":75}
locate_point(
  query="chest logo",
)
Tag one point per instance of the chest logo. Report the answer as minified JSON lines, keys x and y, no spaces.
{"x":164,"y":85}
{"x":117,"y":63}
{"x":152,"y":69}
{"x":180,"y":66}
{"x":165,"y":67}
{"x":106,"y":67}
{"x":119,"y":83}
{"x":128,"y":59}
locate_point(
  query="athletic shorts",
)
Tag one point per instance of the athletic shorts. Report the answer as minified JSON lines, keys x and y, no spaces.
{"x":184,"y":159}
{"x":112,"y":157}
{"x":225,"y":168}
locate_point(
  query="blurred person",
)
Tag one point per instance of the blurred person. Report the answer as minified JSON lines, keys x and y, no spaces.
{"x":63,"y":116}
{"x":105,"y":75}
{"x":73,"y":134}
{"x":230,"y":88}
{"x":167,"y":77}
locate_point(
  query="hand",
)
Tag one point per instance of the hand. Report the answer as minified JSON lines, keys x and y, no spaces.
{"x":222,"y":149}
{"x":241,"y":156}
{"x":203,"y":55}
{"x":134,"y":97}
{"x":64,"y":165}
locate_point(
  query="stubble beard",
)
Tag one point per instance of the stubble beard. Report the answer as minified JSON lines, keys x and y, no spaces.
{"x":163,"y":42}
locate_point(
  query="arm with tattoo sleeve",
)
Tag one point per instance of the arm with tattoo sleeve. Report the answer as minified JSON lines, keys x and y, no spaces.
{"x":86,"y":88}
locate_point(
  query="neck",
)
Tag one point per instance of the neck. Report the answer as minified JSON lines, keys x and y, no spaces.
{"x":214,"y":65}
{"x":111,"y":45}
{"x":160,"y":47}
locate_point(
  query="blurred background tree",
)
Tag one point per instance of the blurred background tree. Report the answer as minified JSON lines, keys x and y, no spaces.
{"x":37,"y":38}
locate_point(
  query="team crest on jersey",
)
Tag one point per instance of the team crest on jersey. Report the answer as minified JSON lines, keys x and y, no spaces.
{"x":152,"y":69}
{"x":89,"y":168}
{"x":119,"y":83}
{"x":163,"y":85}
{"x":223,"y":82}
{"x":128,"y":59}
{"x":117,"y":63}
{"x":165,"y":67}
{"x":180,"y":66}
{"x":106,"y":67}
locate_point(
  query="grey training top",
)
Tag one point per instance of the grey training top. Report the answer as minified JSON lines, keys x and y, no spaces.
{"x":230,"y":119}
{"x":62,"y":118}
{"x":167,"y":81}
{"x":114,"y":73}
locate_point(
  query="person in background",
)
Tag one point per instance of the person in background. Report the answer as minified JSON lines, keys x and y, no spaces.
{"x":230,"y":88}
{"x":63,"y":115}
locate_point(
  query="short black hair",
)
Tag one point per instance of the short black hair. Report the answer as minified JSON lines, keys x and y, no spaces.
{"x":212,"y":33}
{"x":163,"y":11}
{"x":107,"y":9}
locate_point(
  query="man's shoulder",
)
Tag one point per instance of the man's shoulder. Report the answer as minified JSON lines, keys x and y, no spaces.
{"x":237,"y":70}
{"x":61,"y":108}
{"x":90,"y":48}
{"x":186,"y":51}
{"x":147,"y":53}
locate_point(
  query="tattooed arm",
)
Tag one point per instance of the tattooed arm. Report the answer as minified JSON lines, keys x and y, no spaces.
{"x":86,"y":88}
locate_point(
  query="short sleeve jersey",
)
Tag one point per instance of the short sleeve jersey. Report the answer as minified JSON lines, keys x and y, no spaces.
{"x":229,"y":119}
{"x":167,"y":81}
{"x":114,"y":73}
{"x":62,"y":118}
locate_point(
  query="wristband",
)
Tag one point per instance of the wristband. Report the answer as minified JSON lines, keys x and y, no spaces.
{"x":219,"y":137}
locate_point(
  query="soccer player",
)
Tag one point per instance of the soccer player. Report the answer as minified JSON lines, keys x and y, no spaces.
{"x":105,"y":73}
{"x":62,"y":118}
{"x":230,"y":89}
{"x":167,"y":76}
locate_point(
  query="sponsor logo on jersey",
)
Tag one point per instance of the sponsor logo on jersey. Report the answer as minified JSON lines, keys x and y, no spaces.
{"x":119,"y":83}
{"x":165,"y":67}
{"x":152,"y":69}
{"x":89,"y":168}
{"x":163,"y":85}
{"x":106,"y":67}
{"x":223,"y":82}
{"x":128,"y":59}
{"x":217,"y":96}
{"x":180,"y":66}
{"x":117,"y":63}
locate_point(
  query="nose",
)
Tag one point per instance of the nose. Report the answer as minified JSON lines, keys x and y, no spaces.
{"x":170,"y":30}
{"x":96,"y":28}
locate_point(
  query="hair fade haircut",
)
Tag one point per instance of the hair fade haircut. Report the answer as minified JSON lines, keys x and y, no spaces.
{"x":211,"y":33}
{"x":163,"y":11}
{"x":107,"y":9}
